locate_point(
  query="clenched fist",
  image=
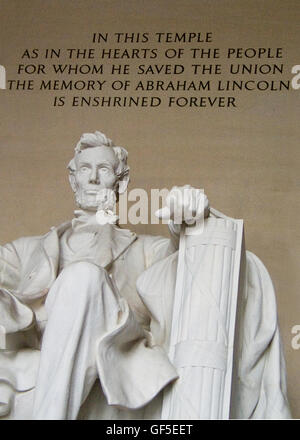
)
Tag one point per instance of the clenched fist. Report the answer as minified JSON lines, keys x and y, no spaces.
{"x":185,"y":204}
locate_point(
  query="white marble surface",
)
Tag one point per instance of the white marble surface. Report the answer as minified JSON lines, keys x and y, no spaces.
{"x":87,"y":310}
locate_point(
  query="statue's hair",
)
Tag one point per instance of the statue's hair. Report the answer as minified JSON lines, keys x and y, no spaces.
{"x":98,"y":139}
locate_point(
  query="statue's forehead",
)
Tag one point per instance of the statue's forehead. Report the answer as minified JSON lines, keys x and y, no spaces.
{"x":96,"y":155}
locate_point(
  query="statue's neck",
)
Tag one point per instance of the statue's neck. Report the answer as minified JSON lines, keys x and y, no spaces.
{"x":84,"y":212}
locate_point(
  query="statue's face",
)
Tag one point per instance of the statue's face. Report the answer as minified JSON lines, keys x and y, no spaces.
{"x":95,"y":170}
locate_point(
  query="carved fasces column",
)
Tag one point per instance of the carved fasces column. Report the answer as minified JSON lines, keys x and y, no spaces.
{"x":203,"y":322}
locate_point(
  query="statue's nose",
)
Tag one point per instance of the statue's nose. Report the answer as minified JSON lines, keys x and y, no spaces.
{"x":94,"y":178}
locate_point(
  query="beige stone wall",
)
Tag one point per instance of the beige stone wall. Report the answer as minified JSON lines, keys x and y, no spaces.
{"x":246,"y":158}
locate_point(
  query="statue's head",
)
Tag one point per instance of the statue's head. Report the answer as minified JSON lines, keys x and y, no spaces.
{"x":98,"y":164}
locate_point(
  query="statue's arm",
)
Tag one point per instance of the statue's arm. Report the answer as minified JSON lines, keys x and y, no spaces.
{"x":174,"y":231}
{"x":10,"y":267}
{"x":156,"y":248}
{"x":15,"y":317}
{"x":19,"y":363}
{"x":261,"y":389}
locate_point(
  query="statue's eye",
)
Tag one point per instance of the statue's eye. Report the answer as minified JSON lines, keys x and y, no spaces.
{"x":104,"y":170}
{"x":84,"y":169}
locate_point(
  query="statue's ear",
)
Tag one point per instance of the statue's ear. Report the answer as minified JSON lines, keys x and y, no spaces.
{"x":123,"y":183}
{"x":71,"y":168}
{"x":72,"y":182}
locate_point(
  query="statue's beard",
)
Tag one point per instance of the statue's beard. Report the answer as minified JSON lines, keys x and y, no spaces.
{"x":93,"y":200}
{"x":86,"y":200}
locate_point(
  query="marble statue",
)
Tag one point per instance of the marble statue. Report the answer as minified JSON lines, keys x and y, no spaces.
{"x":99,"y":323}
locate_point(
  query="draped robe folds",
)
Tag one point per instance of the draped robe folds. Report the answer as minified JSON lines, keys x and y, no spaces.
{"x":144,"y":271}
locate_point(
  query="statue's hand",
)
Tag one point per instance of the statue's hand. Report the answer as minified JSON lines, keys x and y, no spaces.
{"x":185,"y":204}
{"x":106,"y":203}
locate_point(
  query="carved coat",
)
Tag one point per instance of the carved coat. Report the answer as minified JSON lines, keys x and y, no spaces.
{"x":28,"y":268}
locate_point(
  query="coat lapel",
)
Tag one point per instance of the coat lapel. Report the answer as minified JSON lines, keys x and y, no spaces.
{"x":41,"y":260}
{"x":113,"y":242}
{"x":121,"y":239}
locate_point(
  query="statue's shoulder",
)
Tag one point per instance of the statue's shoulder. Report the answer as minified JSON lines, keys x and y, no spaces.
{"x":256,"y":269}
{"x":27,"y":243}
